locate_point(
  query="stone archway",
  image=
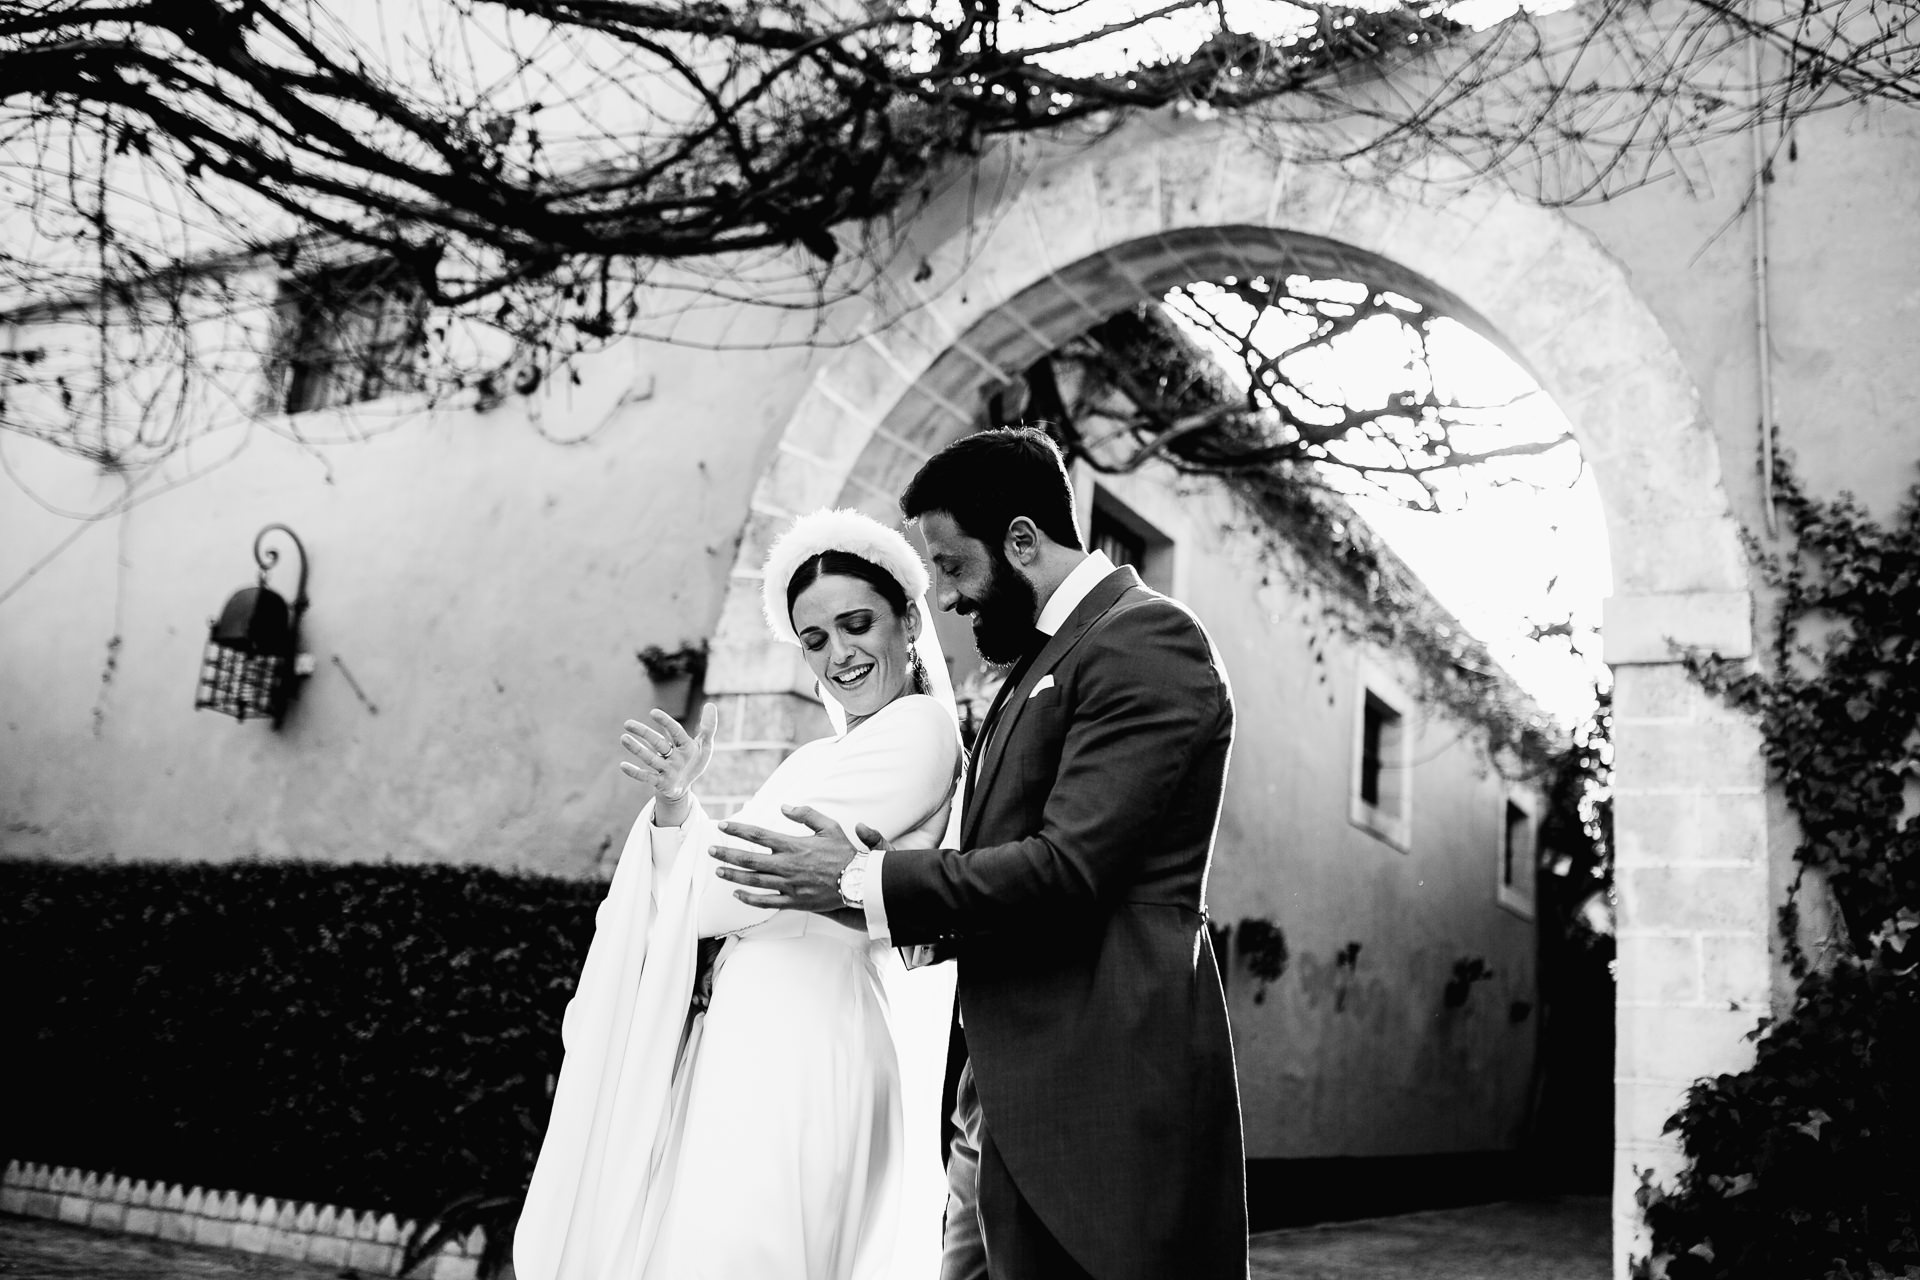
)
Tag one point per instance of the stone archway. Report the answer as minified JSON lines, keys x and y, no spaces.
{"x":1080,"y":233}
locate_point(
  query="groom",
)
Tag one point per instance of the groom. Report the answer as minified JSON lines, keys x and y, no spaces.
{"x":1098,"y":1116}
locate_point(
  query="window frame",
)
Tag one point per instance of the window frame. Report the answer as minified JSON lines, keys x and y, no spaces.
{"x":1509,"y":895}
{"x":314,"y":367}
{"x":1391,"y":825}
{"x":1156,"y":566}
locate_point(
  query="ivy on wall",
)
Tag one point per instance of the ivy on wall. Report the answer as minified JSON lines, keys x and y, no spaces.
{"x":1315,"y":541}
{"x":1804,"y":1165}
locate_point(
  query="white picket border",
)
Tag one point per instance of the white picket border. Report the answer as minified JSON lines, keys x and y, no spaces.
{"x":302,"y":1232}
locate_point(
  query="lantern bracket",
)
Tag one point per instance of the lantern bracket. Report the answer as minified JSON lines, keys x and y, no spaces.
{"x":267,"y":557}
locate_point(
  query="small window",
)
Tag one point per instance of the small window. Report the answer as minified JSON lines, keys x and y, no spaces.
{"x":1128,"y":538}
{"x":1382,"y":765}
{"x":1515,"y":878}
{"x":347,"y":335}
{"x":1121,"y":545}
{"x":1380,"y":729}
{"x":1513,"y":845}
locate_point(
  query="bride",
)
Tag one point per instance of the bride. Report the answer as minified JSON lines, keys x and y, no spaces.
{"x":762,"y":1136}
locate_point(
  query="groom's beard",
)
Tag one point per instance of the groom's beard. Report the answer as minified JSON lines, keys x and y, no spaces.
{"x":1003,"y":618}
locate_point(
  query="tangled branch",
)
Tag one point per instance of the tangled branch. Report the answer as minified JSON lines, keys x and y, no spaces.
{"x":1211,"y":388}
{"x":540,"y":177}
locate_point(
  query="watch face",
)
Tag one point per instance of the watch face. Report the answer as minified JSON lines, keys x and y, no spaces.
{"x":853,"y":882}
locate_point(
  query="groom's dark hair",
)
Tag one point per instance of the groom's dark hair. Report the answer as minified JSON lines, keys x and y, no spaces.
{"x":987,"y":479}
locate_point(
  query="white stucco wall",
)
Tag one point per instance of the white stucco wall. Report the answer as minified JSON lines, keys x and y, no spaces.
{"x":488,"y":591}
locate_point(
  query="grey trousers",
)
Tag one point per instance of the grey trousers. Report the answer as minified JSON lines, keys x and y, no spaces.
{"x":992,"y":1233}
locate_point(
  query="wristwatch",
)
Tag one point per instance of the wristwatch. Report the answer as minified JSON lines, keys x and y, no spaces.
{"x":853,"y":882}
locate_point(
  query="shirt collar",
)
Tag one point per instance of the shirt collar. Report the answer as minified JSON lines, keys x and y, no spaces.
{"x":1074,"y":588}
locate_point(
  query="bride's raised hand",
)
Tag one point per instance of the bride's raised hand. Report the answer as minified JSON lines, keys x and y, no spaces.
{"x":666,"y":757}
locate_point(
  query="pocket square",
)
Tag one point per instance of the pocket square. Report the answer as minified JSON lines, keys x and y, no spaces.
{"x":1044,"y":683}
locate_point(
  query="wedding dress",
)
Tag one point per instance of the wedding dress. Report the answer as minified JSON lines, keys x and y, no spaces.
{"x":766,"y":1138}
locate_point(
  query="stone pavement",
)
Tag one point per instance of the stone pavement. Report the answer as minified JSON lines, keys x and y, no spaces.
{"x":35,"y":1249}
{"x":1562,"y":1239}
{"x":1565,"y":1238}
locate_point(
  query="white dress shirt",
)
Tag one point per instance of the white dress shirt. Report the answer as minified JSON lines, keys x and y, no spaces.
{"x":1059,"y":606}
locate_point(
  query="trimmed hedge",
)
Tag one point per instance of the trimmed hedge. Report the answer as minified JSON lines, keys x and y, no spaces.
{"x":376,"y":1036}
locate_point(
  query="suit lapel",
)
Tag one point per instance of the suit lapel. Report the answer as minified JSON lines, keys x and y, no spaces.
{"x":1090,"y":610}
{"x":990,"y":727}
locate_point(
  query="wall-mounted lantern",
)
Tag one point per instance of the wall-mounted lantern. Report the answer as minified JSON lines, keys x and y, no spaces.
{"x":252,"y":660}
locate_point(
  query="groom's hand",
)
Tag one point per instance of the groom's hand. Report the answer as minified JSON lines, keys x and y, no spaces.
{"x":800,"y":873}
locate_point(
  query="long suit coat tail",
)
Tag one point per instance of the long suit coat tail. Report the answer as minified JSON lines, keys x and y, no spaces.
{"x":1095,"y":1019}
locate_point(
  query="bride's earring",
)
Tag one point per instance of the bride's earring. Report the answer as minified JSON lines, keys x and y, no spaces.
{"x":920,"y":682}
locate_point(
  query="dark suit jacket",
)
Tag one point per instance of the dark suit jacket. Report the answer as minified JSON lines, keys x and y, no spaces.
{"x":1094,"y":1014}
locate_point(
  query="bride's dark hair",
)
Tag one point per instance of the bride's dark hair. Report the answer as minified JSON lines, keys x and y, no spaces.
{"x":847,"y":565}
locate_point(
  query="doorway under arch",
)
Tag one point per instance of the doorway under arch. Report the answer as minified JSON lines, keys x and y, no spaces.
{"x":1080,"y":233}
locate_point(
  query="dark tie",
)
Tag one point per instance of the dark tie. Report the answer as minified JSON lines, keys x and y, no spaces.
{"x":1035,"y":643}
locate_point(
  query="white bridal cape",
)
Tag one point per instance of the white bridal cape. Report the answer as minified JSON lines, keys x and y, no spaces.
{"x":765,"y":1139}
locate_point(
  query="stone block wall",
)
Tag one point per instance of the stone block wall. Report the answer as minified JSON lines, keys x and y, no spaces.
{"x":1694,"y":912}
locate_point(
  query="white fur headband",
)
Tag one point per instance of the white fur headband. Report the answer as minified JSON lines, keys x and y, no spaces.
{"x":843,"y":529}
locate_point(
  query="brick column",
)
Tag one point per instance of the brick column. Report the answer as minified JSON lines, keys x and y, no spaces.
{"x":756,"y":732}
{"x":1694,"y":915}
